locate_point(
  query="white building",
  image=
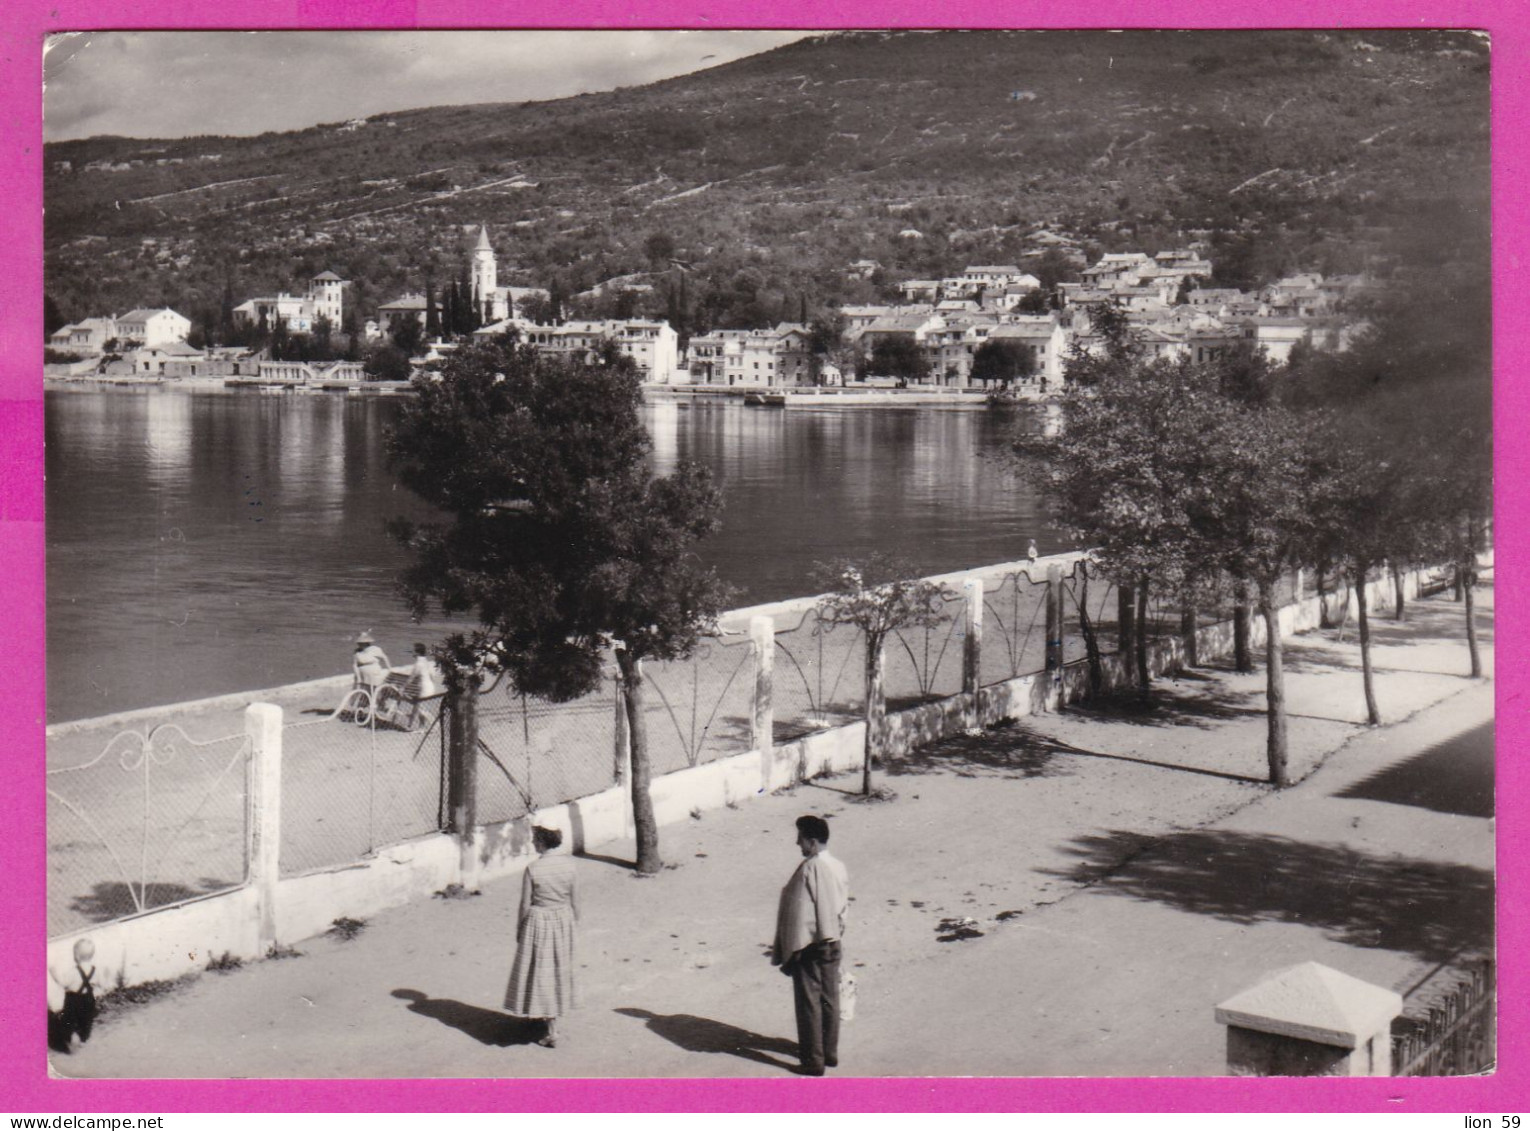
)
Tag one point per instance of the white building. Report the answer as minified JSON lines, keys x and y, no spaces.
{"x":653,"y":346}
{"x":325,"y":298}
{"x":85,"y":337}
{"x":153,"y":327}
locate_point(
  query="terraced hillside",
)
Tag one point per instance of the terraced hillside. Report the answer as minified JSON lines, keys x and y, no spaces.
{"x":743,"y":192}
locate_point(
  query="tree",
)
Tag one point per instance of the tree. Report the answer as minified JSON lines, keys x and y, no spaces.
{"x":537,"y":309}
{"x":386,"y":363}
{"x":565,"y":550}
{"x":876,"y":596}
{"x":1003,"y":360}
{"x":432,"y":318}
{"x":53,"y":320}
{"x":226,"y":314}
{"x":321,"y":345}
{"x":899,"y":357}
{"x":1257,"y":518}
{"x":407,"y":334}
{"x":1172,"y":482}
{"x":659,"y":247}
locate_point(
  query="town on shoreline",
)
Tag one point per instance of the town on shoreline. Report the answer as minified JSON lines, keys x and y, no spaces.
{"x":949,"y":341}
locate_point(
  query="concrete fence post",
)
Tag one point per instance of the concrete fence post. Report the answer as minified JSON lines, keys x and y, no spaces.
{"x":972,"y":647}
{"x":621,"y":754}
{"x":462,"y":780}
{"x":1054,"y":598}
{"x":762,"y":728}
{"x":1310,"y":1020}
{"x":263,"y":822}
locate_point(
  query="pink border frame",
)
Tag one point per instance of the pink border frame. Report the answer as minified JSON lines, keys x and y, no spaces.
{"x":25,"y":1086}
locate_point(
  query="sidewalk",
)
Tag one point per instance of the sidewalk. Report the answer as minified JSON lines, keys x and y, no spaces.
{"x":1125,"y":870}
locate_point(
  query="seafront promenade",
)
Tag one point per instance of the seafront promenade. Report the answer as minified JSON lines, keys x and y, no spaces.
{"x":1067,"y":895}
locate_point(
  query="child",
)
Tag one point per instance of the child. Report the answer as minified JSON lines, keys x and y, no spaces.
{"x":75,"y":994}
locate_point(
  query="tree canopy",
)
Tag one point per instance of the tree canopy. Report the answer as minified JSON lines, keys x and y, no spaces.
{"x":560,"y":540}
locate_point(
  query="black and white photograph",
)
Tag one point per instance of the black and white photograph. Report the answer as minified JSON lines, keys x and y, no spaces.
{"x":696,"y":554}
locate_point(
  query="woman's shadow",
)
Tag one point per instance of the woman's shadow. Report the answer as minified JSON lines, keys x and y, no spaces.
{"x":702,"y":1034}
{"x":486,"y":1026}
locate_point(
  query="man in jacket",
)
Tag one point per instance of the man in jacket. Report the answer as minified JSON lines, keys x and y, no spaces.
{"x":810,"y":923}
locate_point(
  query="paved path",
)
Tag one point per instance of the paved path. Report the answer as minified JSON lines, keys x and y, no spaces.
{"x":1125,"y":871}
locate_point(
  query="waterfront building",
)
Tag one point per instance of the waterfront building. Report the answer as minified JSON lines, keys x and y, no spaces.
{"x":149,"y":327}
{"x":653,"y":346}
{"x":1044,"y":336}
{"x":706,"y":355}
{"x":325,"y":298}
{"x":169,"y":359}
{"x":391,"y":315}
{"x":86,"y":337}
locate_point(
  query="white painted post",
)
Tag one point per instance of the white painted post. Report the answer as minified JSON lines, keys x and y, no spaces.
{"x":972,"y":647}
{"x":1310,"y":1020}
{"x":263,"y":815}
{"x":762,"y":635}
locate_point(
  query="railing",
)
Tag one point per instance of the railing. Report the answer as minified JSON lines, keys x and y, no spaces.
{"x":1457,"y":1037}
{"x":158,"y":816}
{"x":154,"y":819}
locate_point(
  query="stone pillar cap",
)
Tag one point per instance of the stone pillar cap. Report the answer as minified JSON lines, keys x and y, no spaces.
{"x":1313,"y":1002}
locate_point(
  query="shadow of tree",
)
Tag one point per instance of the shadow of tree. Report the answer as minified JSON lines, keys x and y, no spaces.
{"x":113,"y":899}
{"x":1008,"y":750}
{"x":1454,"y":776}
{"x":1167,"y":706}
{"x":702,"y":1034}
{"x":486,"y":1026}
{"x":1396,"y":903}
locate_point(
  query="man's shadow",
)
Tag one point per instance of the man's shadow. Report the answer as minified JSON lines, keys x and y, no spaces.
{"x":702,"y":1034}
{"x":486,"y":1026}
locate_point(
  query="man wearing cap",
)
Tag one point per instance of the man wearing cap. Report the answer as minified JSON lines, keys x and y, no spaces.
{"x":810,"y":923}
{"x":370,"y":664}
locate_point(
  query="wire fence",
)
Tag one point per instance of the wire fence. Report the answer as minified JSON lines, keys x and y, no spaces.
{"x":157,"y":817}
{"x":353,"y":783}
{"x":153,"y":819}
{"x":924,"y":663}
{"x":1090,"y":604}
{"x":701,"y":709}
{"x":819,"y":676}
{"x":532,"y":753}
{"x":1014,"y":627}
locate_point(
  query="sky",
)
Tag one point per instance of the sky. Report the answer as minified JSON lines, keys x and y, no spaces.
{"x":166,"y":84}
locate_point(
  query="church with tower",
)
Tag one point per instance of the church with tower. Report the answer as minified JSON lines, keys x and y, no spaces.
{"x":495,"y":303}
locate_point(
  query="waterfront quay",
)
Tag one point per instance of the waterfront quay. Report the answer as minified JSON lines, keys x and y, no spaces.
{"x":1087,"y":884}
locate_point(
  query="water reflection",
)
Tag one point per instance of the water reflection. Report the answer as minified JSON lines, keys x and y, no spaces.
{"x":202,"y":543}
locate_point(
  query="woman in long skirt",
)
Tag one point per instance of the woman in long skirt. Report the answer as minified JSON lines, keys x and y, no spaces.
{"x":542,"y":976}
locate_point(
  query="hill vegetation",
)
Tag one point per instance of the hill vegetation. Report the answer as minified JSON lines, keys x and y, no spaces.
{"x":741,"y":194}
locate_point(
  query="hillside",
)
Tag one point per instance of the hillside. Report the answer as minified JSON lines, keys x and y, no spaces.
{"x":766,"y":176}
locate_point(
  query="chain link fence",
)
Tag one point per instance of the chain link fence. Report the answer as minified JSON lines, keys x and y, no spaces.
{"x":532,"y":753}
{"x":155,"y":818}
{"x":353,"y":783}
{"x":819,"y":676}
